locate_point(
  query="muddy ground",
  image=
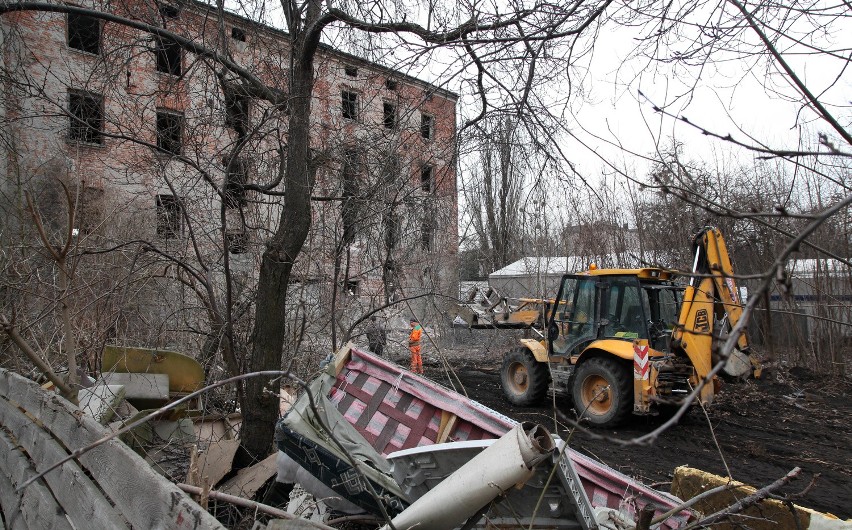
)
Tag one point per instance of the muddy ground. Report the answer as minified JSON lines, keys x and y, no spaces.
{"x":763,"y":429}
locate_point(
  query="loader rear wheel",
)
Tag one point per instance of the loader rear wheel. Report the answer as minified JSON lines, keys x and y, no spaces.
{"x":603,"y":391}
{"x":523,"y":378}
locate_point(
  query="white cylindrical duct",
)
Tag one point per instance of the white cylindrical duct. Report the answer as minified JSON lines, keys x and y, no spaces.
{"x":506,"y":463}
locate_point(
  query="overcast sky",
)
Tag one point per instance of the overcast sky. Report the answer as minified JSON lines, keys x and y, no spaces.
{"x":726,"y":97}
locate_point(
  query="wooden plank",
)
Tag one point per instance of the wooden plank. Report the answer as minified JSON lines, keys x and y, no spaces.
{"x":145,"y":499}
{"x":447,"y":426}
{"x":342,"y":357}
{"x":216,"y":461}
{"x":248,"y":480}
{"x":10,"y":502}
{"x":76,"y":493}
{"x":37,"y":506}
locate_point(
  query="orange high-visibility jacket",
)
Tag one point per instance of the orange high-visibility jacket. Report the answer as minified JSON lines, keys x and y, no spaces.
{"x":414,"y":338}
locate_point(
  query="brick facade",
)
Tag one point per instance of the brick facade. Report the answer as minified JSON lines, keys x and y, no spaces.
{"x":384,"y":144}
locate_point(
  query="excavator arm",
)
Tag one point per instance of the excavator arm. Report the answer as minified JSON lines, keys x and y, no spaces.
{"x":710,"y":298}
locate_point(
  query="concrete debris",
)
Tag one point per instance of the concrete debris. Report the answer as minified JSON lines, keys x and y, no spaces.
{"x":487,"y":308}
{"x":125,"y":410}
{"x":437,"y":459}
{"x":101,"y":401}
{"x":180,"y":431}
{"x":109,"y":486}
{"x":144,"y":391}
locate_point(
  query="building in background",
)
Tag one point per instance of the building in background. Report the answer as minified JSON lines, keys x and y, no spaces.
{"x":173,"y":170}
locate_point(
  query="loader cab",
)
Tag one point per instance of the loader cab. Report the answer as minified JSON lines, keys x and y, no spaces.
{"x":623,"y":304}
{"x":664,"y":300}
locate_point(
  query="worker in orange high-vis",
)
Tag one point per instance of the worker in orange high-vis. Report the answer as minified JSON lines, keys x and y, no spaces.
{"x":414,"y":346}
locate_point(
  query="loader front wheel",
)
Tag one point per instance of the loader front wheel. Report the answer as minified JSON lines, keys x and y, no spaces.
{"x":523,"y":378}
{"x":603,"y":391}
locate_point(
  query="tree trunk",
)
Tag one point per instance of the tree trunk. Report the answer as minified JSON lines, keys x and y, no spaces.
{"x":260,"y":408}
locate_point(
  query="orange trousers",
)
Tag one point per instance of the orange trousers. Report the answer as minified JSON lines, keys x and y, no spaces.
{"x":416,"y":360}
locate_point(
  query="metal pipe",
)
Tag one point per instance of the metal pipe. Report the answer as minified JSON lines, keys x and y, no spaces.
{"x":505,"y":464}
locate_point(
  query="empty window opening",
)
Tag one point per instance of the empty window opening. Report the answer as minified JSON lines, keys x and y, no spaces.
{"x":169,"y":217}
{"x":170,"y":131}
{"x":351,"y":71}
{"x":427,"y":234}
{"x":391,"y":84}
{"x":238,"y":34}
{"x":349,"y":207}
{"x":349,"y":105}
{"x":351,"y":171}
{"x":86,"y":114}
{"x":236,"y":177}
{"x":236,"y":111}
{"x":427,"y":124}
{"x":84,"y":33}
{"x":392,"y":231}
{"x":89,"y":213}
{"x":391,"y":168}
{"x":168,"y":11}
{"x":168,"y":54}
{"x":427,"y":178}
{"x":390,"y":115}
{"x":238,"y":241}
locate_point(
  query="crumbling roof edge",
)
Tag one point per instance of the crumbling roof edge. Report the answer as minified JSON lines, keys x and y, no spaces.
{"x":333,"y":51}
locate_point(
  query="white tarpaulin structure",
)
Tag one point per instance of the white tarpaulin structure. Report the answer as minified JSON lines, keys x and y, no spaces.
{"x":538,"y":276}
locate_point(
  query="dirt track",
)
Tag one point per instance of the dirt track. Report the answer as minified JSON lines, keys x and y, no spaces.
{"x":764,"y":429}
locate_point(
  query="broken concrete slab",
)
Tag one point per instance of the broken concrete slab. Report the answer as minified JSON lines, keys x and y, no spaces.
{"x":179,"y":431}
{"x":108,"y":487}
{"x":143,"y":391}
{"x":101,"y":401}
{"x":126,"y":410}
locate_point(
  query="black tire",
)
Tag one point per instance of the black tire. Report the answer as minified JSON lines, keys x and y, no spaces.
{"x":524,"y":380}
{"x":603,"y":391}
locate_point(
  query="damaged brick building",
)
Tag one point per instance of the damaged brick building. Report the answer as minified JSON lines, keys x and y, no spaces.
{"x":173,"y":171}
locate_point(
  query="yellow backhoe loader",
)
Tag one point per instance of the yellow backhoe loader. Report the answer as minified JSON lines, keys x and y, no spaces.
{"x":622,"y":341}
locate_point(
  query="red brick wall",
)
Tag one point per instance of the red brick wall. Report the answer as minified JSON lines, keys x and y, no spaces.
{"x":132,"y":174}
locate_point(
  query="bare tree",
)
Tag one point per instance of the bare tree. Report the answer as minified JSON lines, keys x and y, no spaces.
{"x":508,"y":60}
{"x":481,"y":40}
{"x":494,"y":191}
